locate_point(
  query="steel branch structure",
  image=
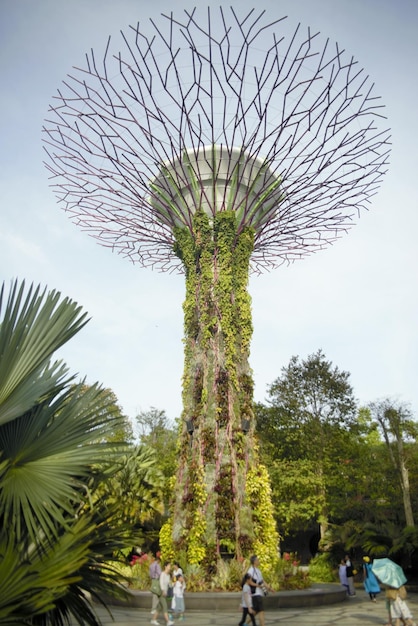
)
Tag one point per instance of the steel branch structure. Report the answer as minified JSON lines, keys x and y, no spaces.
{"x":290,"y":100}
{"x":215,"y":144}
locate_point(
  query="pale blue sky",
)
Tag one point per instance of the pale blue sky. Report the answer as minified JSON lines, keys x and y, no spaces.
{"x":357,"y":300}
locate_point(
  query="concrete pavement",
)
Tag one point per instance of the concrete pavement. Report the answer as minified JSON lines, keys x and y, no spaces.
{"x":356,"y":611}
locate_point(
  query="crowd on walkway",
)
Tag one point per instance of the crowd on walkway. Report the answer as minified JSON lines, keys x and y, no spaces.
{"x":168,"y":585}
{"x":353,"y":611}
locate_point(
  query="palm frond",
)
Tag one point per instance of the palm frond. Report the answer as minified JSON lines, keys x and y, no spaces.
{"x":32,"y":328}
{"x":49,"y":452}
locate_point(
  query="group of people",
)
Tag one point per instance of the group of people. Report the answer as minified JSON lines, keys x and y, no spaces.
{"x":346,"y":574}
{"x":166,"y":582}
{"x":254,"y":588}
{"x":398,"y":610}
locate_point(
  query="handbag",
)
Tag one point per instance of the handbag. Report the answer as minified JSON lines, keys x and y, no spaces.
{"x":156,"y":587}
{"x":253,"y":588}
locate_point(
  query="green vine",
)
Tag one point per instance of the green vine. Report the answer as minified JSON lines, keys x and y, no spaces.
{"x":196,"y":549}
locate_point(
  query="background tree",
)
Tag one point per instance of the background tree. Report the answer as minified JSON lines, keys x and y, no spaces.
{"x":312,"y":416}
{"x":124,"y":431}
{"x":397,"y":427}
{"x":159,"y":434}
{"x":58,"y":534}
{"x":154,"y":428}
{"x":313,"y":408}
{"x":298,"y":496}
{"x":367,"y":504}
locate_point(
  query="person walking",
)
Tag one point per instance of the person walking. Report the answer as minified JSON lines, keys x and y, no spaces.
{"x":162,"y":598}
{"x":258,"y":588}
{"x":342,"y":574}
{"x":154,"y":572}
{"x":350,"y":576}
{"x":369,"y":579}
{"x":399,"y":610}
{"x":246,"y":601}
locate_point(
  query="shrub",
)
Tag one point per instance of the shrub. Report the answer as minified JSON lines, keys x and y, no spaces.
{"x":287,"y":574}
{"x":321,"y":569}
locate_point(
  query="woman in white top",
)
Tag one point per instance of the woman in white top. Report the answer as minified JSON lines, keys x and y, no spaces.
{"x":162,"y":601}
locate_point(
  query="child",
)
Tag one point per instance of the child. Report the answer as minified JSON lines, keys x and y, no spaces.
{"x":246,"y":601}
{"x":177,"y":603}
{"x":399,"y":610}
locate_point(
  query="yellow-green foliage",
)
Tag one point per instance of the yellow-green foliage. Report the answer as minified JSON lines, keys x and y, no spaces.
{"x":322,"y":568}
{"x":135,"y":576}
{"x":228,"y":575}
{"x":196,"y":550}
{"x":266,"y":536}
{"x":166,"y":541}
{"x":225,"y":234}
{"x":242,"y":253}
{"x":223,"y":290}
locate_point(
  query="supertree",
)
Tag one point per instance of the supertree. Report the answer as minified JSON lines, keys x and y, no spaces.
{"x":214,"y":144}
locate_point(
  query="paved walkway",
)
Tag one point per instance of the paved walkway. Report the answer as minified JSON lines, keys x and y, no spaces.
{"x":356,"y":611}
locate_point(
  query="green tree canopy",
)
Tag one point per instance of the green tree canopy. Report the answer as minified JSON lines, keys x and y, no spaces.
{"x":159,"y":434}
{"x":311,"y":416}
{"x":123,"y":433}
{"x":311,"y":401}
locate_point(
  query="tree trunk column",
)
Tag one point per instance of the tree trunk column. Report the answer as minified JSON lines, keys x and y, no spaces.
{"x":217,"y":444}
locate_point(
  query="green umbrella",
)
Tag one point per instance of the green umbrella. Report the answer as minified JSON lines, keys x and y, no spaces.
{"x":389,"y":573}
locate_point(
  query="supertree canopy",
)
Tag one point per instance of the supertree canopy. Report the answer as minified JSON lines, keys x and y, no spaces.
{"x":214,"y":143}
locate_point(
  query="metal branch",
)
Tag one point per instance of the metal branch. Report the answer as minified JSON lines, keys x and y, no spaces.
{"x":299,"y":106}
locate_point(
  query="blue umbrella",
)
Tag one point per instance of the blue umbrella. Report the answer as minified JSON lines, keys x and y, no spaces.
{"x":389,"y":573}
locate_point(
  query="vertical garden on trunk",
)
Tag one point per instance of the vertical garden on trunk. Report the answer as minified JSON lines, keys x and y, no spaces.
{"x":222,"y":500}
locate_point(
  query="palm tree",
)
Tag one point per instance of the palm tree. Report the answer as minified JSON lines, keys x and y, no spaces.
{"x":59,"y":530}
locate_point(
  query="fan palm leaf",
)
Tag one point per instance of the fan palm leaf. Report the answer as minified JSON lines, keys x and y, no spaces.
{"x":32,"y":327}
{"x":47,"y":454}
{"x":53,"y":579}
